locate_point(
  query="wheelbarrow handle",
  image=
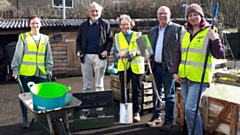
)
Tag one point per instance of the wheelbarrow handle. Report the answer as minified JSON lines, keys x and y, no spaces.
{"x":49,"y":77}
{"x":20,"y":84}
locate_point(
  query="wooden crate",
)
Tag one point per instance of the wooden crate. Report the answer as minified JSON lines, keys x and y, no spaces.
{"x":220,"y":114}
{"x":146,"y":95}
{"x":179,"y":108}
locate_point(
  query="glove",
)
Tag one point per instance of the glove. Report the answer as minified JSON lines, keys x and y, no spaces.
{"x":130,"y":56}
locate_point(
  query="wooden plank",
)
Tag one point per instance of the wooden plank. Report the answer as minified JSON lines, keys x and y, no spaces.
{"x":147,"y":99}
{"x":148,"y":91}
{"x":182,"y":114}
{"x":59,"y":48}
{"x":59,"y":52}
{"x":146,"y":85}
{"x":59,"y":64}
{"x":147,"y":106}
{"x":205,"y":113}
{"x":59,"y":68}
{"x":55,"y":56}
{"x":82,"y":124}
{"x":60,"y":60}
{"x":233,"y":124}
{"x":231,"y":76}
{"x":95,"y":99}
{"x":219,"y":80}
{"x":73,"y":62}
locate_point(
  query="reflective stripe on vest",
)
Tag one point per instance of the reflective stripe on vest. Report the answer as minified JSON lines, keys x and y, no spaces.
{"x":193,"y":56}
{"x":137,"y":63}
{"x":34,"y":55}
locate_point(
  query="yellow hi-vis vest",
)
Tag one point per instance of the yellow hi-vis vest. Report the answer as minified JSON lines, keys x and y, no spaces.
{"x":137,"y":63}
{"x":34,"y":55}
{"x":193,"y":57}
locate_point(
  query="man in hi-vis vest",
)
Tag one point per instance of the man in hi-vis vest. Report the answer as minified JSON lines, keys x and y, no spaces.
{"x":129,"y":56}
{"x":32,"y":60}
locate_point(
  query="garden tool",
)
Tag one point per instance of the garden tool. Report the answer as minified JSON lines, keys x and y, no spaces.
{"x":126,"y":114}
{"x":145,"y":49}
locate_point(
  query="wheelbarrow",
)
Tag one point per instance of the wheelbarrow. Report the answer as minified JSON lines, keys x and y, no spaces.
{"x":56,"y":116}
{"x":55,"y":120}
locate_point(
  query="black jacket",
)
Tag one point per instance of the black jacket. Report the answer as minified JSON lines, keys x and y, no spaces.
{"x":105,"y":38}
{"x":172,"y":35}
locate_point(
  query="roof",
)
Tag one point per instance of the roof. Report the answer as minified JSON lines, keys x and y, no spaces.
{"x":46,"y":23}
{"x":11,"y":24}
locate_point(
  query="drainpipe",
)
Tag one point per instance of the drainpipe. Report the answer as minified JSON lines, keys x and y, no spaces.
{"x":64,"y":9}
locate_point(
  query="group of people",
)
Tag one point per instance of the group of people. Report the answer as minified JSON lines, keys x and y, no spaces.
{"x":178,"y":57}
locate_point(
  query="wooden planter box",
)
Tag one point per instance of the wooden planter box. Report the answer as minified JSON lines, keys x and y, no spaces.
{"x":146,"y":95}
{"x":220,"y":109}
{"x":92,"y":101}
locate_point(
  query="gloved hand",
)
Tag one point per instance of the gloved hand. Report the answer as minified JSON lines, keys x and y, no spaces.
{"x":130,"y":56}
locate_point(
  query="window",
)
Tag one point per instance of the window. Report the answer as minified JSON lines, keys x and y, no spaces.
{"x":121,"y":6}
{"x":58,"y":3}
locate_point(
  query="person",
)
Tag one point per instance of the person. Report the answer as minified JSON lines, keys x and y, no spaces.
{"x":129,"y":57}
{"x":93,"y":44}
{"x":164,"y":38}
{"x":189,"y":62}
{"x":32,"y":60}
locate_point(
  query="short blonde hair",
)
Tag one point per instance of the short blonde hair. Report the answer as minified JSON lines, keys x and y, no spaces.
{"x":124,"y":16}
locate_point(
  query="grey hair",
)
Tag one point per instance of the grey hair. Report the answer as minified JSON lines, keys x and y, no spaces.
{"x":124,"y":16}
{"x":99,"y":7}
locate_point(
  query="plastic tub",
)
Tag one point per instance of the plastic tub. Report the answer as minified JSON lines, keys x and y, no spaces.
{"x":48,"y":95}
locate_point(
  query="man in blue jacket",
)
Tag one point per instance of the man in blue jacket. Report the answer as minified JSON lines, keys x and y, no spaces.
{"x":94,"y":42}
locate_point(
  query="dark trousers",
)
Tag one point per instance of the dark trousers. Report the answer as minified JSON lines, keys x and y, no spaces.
{"x":136,"y":81}
{"x":24,"y":81}
{"x":164,"y":80}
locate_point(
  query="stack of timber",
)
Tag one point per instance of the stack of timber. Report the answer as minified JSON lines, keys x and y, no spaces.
{"x":229,"y":77}
{"x":220,"y":109}
{"x":146,"y":92}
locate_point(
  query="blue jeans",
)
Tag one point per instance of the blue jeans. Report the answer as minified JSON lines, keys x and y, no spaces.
{"x":190,"y":92}
{"x":24,"y":81}
{"x":164,"y":79}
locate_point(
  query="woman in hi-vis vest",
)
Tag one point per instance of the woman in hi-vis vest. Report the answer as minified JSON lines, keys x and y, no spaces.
{"x":32,"y":60}
{"x":189,"y":61}
{"x":129,"y":57}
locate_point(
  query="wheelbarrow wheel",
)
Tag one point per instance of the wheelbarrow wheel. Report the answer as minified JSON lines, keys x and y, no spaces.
{"x":59,"y":127}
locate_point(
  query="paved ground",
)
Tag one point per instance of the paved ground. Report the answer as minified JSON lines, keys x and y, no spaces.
{"x":10,"y":118}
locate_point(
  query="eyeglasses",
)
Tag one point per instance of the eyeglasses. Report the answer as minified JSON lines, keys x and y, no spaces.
{"x":163,"y":13}
{"x":125,"y":24}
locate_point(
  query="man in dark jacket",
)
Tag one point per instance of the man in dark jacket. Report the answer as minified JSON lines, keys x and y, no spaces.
{"x":164,"y":38}
{"x":94,"y":42}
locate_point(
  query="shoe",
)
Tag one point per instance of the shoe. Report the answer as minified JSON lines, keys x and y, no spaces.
{"x":84,"y":114}
{"x":154,"y":121}
{"x":25,"y":123}
{"x":100,"y":114}
{"x":167,"y":125}
{"x":136,"y":117}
